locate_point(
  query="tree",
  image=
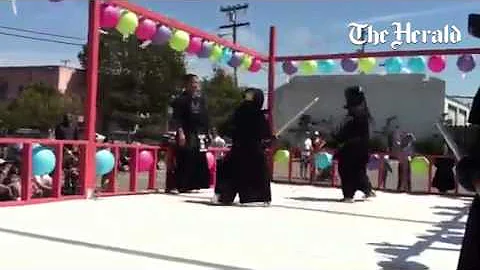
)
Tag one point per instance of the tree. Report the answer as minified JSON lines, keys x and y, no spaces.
{"x":133,"y":81}
{"x":39,"y":106}
{"x":222,"y":96}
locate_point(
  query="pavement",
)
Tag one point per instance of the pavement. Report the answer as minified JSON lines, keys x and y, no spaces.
{"x":305,"y":228}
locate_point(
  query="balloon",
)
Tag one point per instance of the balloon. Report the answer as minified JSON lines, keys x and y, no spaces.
{"x":145,"y":161}
{"x":179,"y":41}
{"x":349,"y":65}
{"x":256,"y":65}
{"x":323,"y":160}
{"x":146,"y":29}
{"x":104,"y":162}
{"x":127,"y":24}
{"x":466,"y":63}
{"x":290,"y":67}
{"x":207,"y":47}
{"x":326,"y":66}
{"x":246,"y":62}
{"x":43,"y":161}
{"x":393,"y":65}
{"x":195,"y":45}
{"x":282,"y":156}
{"x":419,"y":165}
{"x":373,"y":163}
{"x":236,"y":59}
{"x":367,"y":65}
{"x":216,"y":53}
{"x":109,"y":16}
{"x":226,"y":56}
{"x":436,"y":63}
{"x":308,"y":67}
{"x":416,"y":64}
{"x":210,"y":160}
{"x":162,"y":36}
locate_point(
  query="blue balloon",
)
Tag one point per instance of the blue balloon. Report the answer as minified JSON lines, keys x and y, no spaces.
{"x":417,"y":64}
{"x":43,"y":161}
{"x":393,"y":65}
{"x":323,"y":160}
{"x":226,"y":56}
{"x":326,"y":66}
{"x":104,"y":162}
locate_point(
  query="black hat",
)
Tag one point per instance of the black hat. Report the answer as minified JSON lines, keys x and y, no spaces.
{"x":354,"y":96}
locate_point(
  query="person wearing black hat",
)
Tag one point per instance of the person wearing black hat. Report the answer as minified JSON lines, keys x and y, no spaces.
{"x":468,"y":173}
{"x":244,"y":170}
{"x":353,"y":137}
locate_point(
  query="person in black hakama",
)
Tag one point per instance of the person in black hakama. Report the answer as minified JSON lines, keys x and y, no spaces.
{"x":190,"y":117}
{"x":444,"y":178}
{"x":468,"y":172}
{"x":353,"y":136}
{"x":244,"y":169}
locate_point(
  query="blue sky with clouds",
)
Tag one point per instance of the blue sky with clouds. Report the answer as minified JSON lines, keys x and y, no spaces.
{"x":303,"y":27}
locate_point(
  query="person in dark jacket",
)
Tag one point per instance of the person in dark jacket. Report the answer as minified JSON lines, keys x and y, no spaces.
{"x":353,"y":137}
{"x":190,"y":117}
{"x":245,"y":170}
{"x":468,"y":173}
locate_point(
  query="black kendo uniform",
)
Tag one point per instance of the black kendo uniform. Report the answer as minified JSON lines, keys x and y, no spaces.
{"x":244,"y":170}
{"x":444,"y":178}
{"x":191,"y":168}
{"x":353,"y":136}
{"x":468,"y":171}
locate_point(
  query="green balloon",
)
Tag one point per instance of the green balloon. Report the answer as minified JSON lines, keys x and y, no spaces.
{"x":216,"y":53}
{"x":127,"y":24}
{"x":419,"y":165}
{"x":180,"y":41}
{"x":309,"y":67}
{"x":246,"y":62}
{"x":282,"y":156}
{"x":367,"y":65}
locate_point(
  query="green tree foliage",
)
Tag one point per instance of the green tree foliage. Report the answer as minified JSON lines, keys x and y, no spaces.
{"x":222,"y":96}
{"x":133,"y":81}
{"x":39,"y":106}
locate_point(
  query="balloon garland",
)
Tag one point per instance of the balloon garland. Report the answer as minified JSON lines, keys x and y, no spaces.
{"x":148,"y":31}
{"x":394,"y":65}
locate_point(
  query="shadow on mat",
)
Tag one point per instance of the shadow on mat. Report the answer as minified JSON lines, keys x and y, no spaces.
{"x":126,"y":251}
{"x":311,"y":199}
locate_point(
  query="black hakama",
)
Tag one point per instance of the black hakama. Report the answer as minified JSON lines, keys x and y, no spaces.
{"x":191,"y":166}
{"x":244,"y":170}
{"x":444,"y":179}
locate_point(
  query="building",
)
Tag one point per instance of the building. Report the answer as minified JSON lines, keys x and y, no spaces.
{"x":65,"y":79}
{"x":456,"y":112}
{"x":414,"y":102}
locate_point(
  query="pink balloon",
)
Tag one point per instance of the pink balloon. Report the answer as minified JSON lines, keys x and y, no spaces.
{"x":210,"y":160}
{"x":109,"y":16}
{"x":256,"y":65}
{"x":436,"y":63}
{"x":145,"y":161}
{"x":146,"y":29}
{"x":195,"y":45}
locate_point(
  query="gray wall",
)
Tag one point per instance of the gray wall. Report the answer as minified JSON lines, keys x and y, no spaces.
{"x":416,"y":100}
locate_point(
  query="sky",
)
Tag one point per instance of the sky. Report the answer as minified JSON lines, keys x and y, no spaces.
{"x":303,"y":27}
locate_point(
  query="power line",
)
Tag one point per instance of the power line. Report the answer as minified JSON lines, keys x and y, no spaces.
{"x":40,"y":32}
{"x":41,"y":39}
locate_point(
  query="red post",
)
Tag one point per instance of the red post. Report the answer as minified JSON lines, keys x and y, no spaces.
{"x":57,"y":175}
{"x":271,"y":90}
{"x":290,"y":161}
{"x":26,"y":172}
{"x":112,"y":177}
{"x":91,"y":98}
{"x":152,"y":174}
{"x":134,"y":154}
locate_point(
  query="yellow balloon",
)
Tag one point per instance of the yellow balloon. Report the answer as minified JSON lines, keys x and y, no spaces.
{"x":309,"y":67}
{"x":127,"y":24}
{"x":216,"y":53}
{"x":180,"y":41}
{"x":367,"y":65}
{"x":246,"y":62}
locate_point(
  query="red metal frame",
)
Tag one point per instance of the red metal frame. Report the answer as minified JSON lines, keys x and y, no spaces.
{"x":88,"y":146}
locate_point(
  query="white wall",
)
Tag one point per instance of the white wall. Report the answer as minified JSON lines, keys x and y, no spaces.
{"x":417,"y":101}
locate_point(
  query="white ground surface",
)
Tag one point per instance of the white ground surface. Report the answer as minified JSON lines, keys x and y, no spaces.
{"x":304,"y":229}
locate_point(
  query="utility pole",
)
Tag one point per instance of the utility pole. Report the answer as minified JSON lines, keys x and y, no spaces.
{"x":65,"y":62}
{"x":232,"y":11}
